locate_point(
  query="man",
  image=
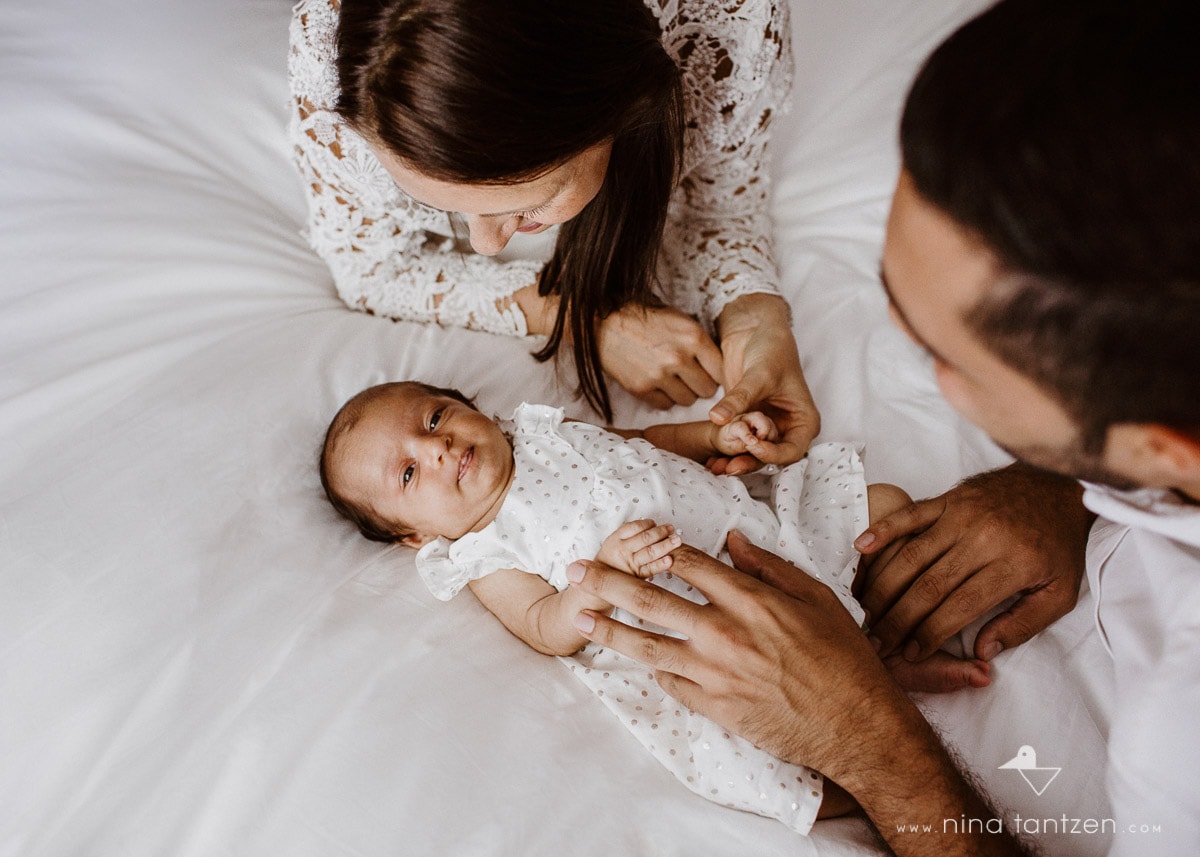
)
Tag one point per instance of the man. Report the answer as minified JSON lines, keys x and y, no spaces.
{"x":1044,"y":248}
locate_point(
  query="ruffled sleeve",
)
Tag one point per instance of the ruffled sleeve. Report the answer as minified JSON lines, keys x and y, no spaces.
{"x":446,"y":570}
{"x":736,"y":63}
{"x":388,"y":254}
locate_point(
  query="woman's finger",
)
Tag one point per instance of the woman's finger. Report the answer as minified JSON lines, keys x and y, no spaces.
{"x":696,"y":377}
{"x":678,"y":392}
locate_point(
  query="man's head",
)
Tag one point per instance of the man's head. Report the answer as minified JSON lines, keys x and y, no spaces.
{"x":408,"y":462}
{"x":1044,"y":242}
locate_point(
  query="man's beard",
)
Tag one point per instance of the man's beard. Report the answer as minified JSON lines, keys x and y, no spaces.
{"x":1073,"y":461}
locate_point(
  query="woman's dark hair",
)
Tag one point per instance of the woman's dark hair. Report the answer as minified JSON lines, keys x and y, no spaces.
{"x":1066,"y":135}
{"x":487,"y":92}
{"x":343,"y":421}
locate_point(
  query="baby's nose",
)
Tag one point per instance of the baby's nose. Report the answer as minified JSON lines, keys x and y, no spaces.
{"x":437,"y":448}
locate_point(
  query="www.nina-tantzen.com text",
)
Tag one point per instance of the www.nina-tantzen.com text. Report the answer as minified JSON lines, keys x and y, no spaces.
{"x":1027,"y":825}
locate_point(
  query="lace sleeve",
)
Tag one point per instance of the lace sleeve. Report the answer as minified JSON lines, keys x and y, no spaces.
{"x":736,"y":62}
{"x":389,"y":254}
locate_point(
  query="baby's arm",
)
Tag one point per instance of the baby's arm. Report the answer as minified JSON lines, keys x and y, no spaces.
{"x":544,"y":617}
{"x":751,"y":432}
{"x":535,"y":611}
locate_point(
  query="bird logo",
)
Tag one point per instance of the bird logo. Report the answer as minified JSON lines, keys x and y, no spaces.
{"x":1025,"y":763}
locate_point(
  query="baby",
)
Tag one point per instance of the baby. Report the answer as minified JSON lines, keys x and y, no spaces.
{"x":503,"y":508}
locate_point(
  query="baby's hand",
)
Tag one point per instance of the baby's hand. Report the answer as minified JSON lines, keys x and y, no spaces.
{"x":751,"y":432}
{"x":641,"y":548}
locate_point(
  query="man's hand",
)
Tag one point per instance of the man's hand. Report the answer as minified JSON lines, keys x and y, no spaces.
{"x":1016,"y":531}
{"x":793,"y":673}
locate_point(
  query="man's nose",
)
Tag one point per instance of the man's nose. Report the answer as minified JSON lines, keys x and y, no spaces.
{"x":489,"y":235}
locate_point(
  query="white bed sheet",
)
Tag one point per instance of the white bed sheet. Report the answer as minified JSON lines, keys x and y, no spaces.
{"x":196,"y":656}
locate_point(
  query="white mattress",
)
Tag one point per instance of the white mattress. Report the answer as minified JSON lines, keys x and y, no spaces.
{"x":196,"y":656}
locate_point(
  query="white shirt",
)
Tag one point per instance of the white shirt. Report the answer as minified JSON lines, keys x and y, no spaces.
{"x":393,"y":256}
{"x":1144,"y":572}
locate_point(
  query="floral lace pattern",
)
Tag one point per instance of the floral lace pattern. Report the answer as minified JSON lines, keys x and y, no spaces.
{"x":393,"y":256}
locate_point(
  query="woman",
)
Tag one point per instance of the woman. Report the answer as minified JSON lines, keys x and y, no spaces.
{"x":644,"y":138}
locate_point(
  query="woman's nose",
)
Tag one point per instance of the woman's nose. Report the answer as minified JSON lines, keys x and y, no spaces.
{"x":489,"y":235}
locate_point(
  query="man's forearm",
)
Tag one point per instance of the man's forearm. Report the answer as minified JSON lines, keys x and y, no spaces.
{"x":917,"y":798}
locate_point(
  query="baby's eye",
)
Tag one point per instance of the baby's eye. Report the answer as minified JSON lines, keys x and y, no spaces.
{"x":408,"y":475}
{"x":435,"y":419}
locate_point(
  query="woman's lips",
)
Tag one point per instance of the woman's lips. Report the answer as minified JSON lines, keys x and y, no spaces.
{"x":464,"y":463}
{"x":531,"y":227}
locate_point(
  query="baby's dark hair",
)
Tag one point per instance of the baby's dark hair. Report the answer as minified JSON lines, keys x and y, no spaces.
{"x":368,"y":523}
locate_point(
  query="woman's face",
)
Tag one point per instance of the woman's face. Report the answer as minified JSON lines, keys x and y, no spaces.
{"x":494,"y":212}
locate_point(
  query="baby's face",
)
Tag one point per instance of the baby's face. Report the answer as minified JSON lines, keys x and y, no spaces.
{"x":426,"y":462}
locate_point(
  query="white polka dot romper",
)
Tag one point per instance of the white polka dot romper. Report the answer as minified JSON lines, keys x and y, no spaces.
{"x":574,"y":484}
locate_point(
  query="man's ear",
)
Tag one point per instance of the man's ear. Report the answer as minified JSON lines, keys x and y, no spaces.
{"x":1155,"y":454}
{"x":417,"y":540}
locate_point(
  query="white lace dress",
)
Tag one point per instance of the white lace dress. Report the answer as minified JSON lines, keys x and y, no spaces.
{"x":573,"y":484}
{"x":392,"y":256}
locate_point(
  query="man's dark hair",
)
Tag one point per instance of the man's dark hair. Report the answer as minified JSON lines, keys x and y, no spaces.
{"x":487,"y":92}
{"x":1066,"y":135}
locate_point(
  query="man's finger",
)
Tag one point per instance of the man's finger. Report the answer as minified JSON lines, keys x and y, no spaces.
{"x":942,"y":673}
{"x":653,"y":650}
{"x":1027,"y":616}
{"x":976,"y":596}
{"x":900,"y":605}
{"x":769,"y":568}
{"x":885,"y":583}
{"x":639,"y":597}
{"x":684,"y":690}
{"x":910,"y":519}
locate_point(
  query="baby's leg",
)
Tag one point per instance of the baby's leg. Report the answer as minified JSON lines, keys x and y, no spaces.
{"x":940,"y":672}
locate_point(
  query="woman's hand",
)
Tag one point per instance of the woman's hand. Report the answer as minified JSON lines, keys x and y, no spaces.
{"x":660,"y":355}
{"x":762,"y":372}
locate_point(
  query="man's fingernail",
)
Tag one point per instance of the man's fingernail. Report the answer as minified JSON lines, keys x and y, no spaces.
{"x":575,"y":572}
{"x":721,"y":412}
{"x":864,"y":541}
{"x":991,"y":650}
{"x":912,"y":650}
{"x":585,"y":623}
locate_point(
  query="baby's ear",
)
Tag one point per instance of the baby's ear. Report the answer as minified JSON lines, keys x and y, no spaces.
{"x":417,"y":540}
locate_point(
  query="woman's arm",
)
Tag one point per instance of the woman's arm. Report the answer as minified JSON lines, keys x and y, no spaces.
{"x":719,"y":250}
{"x":535,"y":611}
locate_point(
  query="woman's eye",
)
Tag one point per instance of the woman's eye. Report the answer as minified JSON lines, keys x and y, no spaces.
{"x":435,"y":419}
{"x":408,"y":475}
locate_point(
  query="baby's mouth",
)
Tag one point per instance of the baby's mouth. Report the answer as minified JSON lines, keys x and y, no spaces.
{"x":464,"y":463}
